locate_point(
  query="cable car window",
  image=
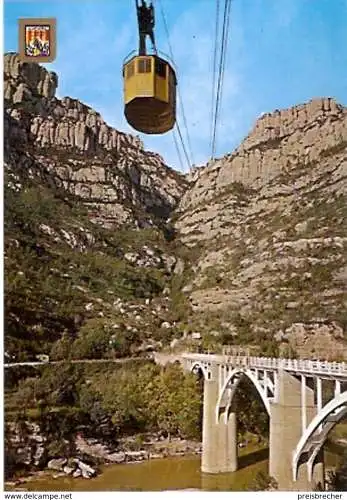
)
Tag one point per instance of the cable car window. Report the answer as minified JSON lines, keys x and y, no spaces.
{"x":130,"y":70}
{"x":160,"y":68}
{"x":144,"y":65}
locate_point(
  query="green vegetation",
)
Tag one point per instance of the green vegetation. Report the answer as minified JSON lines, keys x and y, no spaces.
{"x":53,"y":271}
{"x":62,"y":275}
{"x":180,"y":306}
{"x":263,"y":482}
{"x":251,"y":414}
{"x":337,"y":479}
{"x":106,"y":403}
{"x":65,"y":278}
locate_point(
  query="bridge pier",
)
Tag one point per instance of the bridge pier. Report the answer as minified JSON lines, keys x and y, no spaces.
{"x":298,"y":426}
{"x":285,"y":431}
{"x":219,"y":440}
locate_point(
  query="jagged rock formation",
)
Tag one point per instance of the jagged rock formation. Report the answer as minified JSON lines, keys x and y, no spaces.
{"x":265,"y":225}
{"x":27,"y":80}
{"x":85,"y":206}
{"x":301,"y":136}
{"x":269,"y":223}
{"x":69,"y":143}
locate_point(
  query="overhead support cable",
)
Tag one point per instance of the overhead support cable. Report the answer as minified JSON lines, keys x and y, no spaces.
{"x":191,"y":159}
{"x":223,"y":51}
{"x":214,"y":69}
{"x":177,"y":149}
{"x":183,"y":145}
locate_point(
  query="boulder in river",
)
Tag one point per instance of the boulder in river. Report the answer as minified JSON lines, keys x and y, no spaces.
{"x":116,"y":458}
{"x":87,"y":471}
{"x":68,"y":470}
{"x":57,"y":463}
{"x":136,"y":455}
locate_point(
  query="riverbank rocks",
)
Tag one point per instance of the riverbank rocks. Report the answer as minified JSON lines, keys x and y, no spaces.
{"x":39,"y":455}
{"x":57,"y":463}
{"x":68,"y":470}
{"x":117,"y":458}
{"x":74,"y":467}
{"x":152,"y":448}
{"x":87,"y":471}
{"x":136,"y":456}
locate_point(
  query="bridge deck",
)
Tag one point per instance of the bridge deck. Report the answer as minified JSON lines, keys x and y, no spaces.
{"x":299,"y":366}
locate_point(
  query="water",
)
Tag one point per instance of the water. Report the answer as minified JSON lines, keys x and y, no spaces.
{"x":177,"y":473}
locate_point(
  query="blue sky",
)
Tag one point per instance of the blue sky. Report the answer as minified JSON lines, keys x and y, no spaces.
{"x":280,"y":53}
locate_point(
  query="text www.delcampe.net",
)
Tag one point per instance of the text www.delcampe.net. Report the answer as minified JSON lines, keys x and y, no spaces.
{"x":38,"y":496}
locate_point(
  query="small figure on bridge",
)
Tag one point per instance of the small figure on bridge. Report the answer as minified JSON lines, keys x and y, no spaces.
{"x":145,"y":16}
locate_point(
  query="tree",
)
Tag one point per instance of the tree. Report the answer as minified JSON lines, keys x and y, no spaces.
{"x":288,"y":352}
{"x":122,"y":343}
{"x":337,"y":480}
{"x":251,"y":414}
{"x":178,"y":409}
{"x":27,"y":393}
{"x":263,"y":482}
{"x":61,"y":349}
{"x":270,"y":349}
{"x":93,"y":341}
{"x":190,"y":414}
{"x":58,"y":385}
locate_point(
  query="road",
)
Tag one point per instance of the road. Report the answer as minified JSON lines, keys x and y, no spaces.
{"x":159,"y":358}
{"x":72,"y":361}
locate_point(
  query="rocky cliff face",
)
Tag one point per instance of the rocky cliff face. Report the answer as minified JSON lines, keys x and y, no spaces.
{"x":85,"y":206}
{"x":280,"y":142}
{"x":264,"y":226}
{"x":269,"y":224}
{"x":69,"y":143}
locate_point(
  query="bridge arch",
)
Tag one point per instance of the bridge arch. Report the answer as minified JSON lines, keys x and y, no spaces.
{"x":235,"y":376}
{"x":198,"y":366}
{"x":337,"y":408}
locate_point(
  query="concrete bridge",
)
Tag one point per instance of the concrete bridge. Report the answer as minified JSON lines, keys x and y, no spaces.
{"x":292,"y":393}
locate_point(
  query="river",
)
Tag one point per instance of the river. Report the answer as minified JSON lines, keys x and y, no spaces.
{"x":177,"y":473}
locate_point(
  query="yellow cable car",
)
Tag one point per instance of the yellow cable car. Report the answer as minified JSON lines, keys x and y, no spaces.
{"x":149,"y":84}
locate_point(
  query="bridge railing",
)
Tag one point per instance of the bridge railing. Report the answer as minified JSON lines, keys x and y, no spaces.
{"x":296,"y":365}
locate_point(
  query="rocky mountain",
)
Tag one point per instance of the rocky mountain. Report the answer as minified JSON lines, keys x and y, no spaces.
{"x":85,"y":225}
{"x":268,"y":223}
{"x":106,"y":245}
{"x":68,"y":144}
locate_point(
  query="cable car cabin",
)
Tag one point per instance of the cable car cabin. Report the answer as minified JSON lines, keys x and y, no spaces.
{"x":149,"y":94}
